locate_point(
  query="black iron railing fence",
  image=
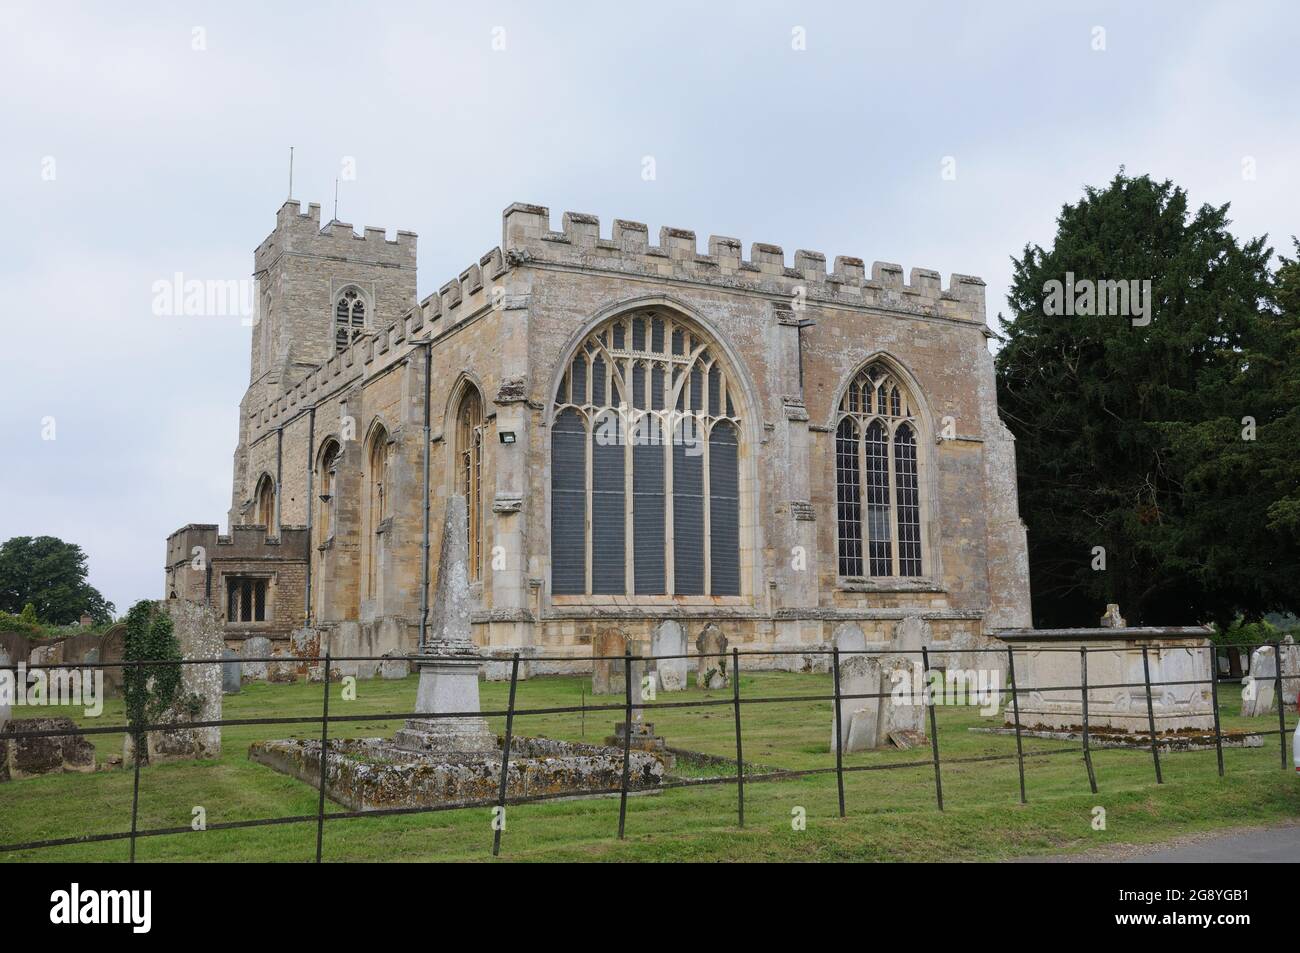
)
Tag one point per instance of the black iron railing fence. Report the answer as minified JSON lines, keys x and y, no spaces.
{"x":628,"y":707}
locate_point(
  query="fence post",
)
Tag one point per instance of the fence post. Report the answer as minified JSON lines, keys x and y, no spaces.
{"x":324,"y":756}
{"x":1214,"y":700}
{"x":1281,"y":702}
{"x":1087,"y":750}
{"x":627,"y":739}
{"x":139,"y":738}
{"x":1015,"y":711}
{"x":1151,"y":714}
{"x":839,"y":729}
{"x":740,"y":757}
{"x":505,"y":759}
{"x":934,"y":726}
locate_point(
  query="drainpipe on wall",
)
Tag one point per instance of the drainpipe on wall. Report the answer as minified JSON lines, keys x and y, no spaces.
{"x":424,"y":541}
{"x":311,"y":473}
{"x":279,"y":460}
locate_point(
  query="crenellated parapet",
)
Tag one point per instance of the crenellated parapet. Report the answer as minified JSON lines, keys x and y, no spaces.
{"x":529,"y":241}
{"x":301,"y":233}
{"x":527,"y":236}
{"x":243,"y":542}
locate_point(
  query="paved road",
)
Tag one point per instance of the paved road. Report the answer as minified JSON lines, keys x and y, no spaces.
{"x":1276,"y":845}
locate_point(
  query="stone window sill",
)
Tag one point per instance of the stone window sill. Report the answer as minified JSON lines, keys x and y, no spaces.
{"x":861,"y":584}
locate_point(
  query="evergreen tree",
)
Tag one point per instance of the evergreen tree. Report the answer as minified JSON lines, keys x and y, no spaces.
{"x":1127,"y":431}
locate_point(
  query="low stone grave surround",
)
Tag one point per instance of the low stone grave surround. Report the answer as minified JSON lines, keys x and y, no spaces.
{"x":454,"y":757}
{"x":370,"y":774}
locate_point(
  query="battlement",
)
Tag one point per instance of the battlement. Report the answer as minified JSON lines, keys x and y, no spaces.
{"x":243,"y":542}
{"x":299,"y":232}
{"x":527,"y":235}
{"x":528,"y":239}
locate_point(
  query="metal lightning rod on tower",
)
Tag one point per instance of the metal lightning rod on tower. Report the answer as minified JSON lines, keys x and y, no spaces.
{"x":291,"y":172}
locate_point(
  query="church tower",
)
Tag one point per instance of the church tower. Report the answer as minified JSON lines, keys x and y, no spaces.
{"x":317,"y":290}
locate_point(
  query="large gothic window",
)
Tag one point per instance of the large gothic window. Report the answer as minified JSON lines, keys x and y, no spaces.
{"x":469,"y":472}
{"x":877,"y":491}
{"x":349,"y":318}
{"x":645,"y":464}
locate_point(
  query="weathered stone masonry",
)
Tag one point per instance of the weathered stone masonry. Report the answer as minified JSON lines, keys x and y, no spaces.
{"x":503,"y":333}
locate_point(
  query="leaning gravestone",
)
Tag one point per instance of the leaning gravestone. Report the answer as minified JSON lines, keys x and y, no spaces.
{"x":670,"y":639}
{"x":258,"y":647}
{"x":1259,"y":688}
{"x":712,"y":649}
{"x":859,"y":675}
{"x":230,"y":672}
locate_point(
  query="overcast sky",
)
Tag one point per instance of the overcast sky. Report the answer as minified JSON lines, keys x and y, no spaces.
{"x":141,"y":140}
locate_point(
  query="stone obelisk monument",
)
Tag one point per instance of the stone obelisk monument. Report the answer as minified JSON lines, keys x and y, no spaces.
{"x":448,"y":661}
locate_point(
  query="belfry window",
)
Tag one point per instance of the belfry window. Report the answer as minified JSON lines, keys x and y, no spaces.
{"x":877,"y":490}
{"x":349,"y":318}
{"x":645,"y":464}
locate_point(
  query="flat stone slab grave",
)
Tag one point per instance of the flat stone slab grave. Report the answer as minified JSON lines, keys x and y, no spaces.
{"x":369,"y":774}
{"x":1141,"y":741}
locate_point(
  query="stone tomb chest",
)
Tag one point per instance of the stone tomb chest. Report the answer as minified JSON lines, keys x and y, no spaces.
{"x":1050,"y":657}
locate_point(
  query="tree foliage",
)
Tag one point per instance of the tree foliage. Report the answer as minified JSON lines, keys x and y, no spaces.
{"x":50,"y":575}
{"x":1134,"y":438}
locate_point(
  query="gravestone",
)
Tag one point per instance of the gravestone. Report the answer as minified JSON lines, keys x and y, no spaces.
{"x":859,"y":674}
{"x":670,"y":639}
{"x":911,"y":635}
{"x":199,"y":633}
{"x":257,"y":647}
{"x":607,"y":667}
{"x":712,"y":649}
{"x":17,"y":645}
{"x":394,"y":668}
{"x":112,"y":648}
{"x":31,"y":757}
{"x":47,"y":653}
{"x":230,"y":672}
{"x":1112,"y":619}
{"x":8,"y":687}
{"x":1259,"y":688}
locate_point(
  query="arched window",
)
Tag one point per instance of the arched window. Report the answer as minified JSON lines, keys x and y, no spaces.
{"x":877,"y":491}
{"x":377,"y":462}
{"x":469,"y":472}
{"x":326,"y":485}
{"x":349,"y":318}
{"x":264,"y":498}
{"x":645,"y":464}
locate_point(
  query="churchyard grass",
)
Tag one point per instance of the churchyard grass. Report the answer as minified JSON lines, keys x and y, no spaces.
{"x":891,"y":814}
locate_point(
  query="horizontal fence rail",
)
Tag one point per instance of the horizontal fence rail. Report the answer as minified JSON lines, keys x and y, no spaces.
{"x":628,"y":707}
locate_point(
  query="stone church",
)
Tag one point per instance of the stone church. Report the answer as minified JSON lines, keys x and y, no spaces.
{"x":640,"y":432}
